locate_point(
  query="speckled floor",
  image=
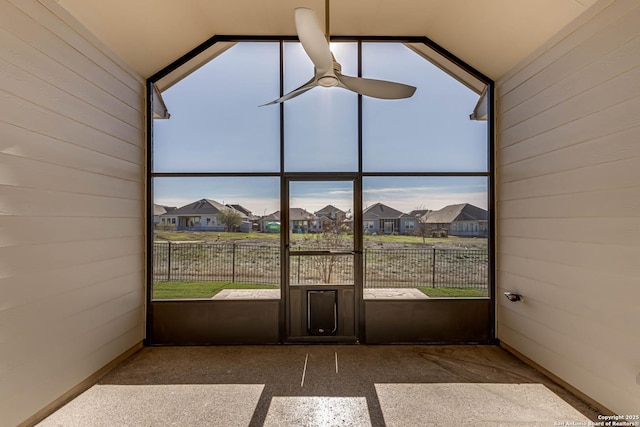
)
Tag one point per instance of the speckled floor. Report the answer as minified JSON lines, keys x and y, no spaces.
{"x":329,"y":385}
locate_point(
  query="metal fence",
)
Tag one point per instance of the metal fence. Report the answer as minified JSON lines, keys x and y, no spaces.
{"x":438,"y":268}
{"x":325,"y":269}
{"x":203,"y":262}
{"x":383,"y":268}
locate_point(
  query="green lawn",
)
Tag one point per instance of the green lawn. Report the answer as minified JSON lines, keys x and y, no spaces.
{"x":182,"y":290}
{"x":453,"y":292}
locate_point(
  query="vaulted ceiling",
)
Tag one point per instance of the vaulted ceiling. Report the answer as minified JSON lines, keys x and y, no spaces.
{"x":490,"y":35}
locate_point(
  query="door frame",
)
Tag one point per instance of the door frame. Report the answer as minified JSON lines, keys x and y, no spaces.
{"x":358,"y":285}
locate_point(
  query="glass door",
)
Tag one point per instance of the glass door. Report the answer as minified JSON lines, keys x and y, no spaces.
{"x":322,"y":255}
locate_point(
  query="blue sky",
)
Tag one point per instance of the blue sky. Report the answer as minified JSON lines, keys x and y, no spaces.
{"x":216,"y":125}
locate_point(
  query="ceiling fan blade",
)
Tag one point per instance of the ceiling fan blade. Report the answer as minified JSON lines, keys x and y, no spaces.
{"x":313,"y":39}
{"x":376,"y":88}
{"x":299,"y":91}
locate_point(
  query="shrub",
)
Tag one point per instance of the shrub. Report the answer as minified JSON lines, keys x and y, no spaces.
{"x":346,"y":229}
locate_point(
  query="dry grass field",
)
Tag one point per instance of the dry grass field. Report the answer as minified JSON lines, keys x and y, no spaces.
{"x":201,"y":263}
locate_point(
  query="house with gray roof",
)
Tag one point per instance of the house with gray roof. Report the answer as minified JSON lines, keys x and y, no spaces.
{"x":409,"y":222}
{"x":160,"y":215}
{"x":458,"y":220}
{"x":331,"y":218}
{"x":300,"y":221}
{"x":268,"y":219}
{"x":242,"y":209}
{"x":204,"y":215}
{"x":379,"y":218}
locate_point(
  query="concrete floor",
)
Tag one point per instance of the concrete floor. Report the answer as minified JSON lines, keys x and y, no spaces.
{"x":328,"y":385}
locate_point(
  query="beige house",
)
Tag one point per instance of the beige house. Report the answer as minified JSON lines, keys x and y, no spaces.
{"x":204,"y":215}
{"x":162,"y":215}
{"x":464,"y":220}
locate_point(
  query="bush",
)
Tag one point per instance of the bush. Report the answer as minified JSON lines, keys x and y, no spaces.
{"x":165,"y":227}
{"x":345,"y":229}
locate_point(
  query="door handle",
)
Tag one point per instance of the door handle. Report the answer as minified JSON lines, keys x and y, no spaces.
{"x":342,"y":252}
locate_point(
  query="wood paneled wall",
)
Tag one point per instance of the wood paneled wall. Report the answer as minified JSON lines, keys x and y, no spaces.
{"x":71,"y":206}
{"x":568,"y":193}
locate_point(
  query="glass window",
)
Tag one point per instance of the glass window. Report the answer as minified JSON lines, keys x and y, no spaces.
{"x":321,"y":125}
{"x":429,"y":132}
{"x":231,"y":251}
{"x":223,"y":233}
{"x":313,"y":204}
{"x":215,"y":122}
{"x":441,"y":257}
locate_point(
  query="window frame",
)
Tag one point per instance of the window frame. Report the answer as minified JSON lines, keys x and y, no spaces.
{"x":282,"y":174}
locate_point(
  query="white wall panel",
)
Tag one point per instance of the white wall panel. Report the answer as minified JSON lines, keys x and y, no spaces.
{"x":612,"y":147}
{"x":567,"y":277}
{"x":612,"y":92}
{"x":568,"y":195}
{"x":622,"y":201}
{"x":547,"y":355}
{"x":618,"y":118}
{"x":28,"y":201}
{"x":26,"y":286}
{"x":16,"y":231}
{"x":25,"y":86}
{"x":564,"y":300}
{"x":599,"y":177}
{"x":51,"y":177}
{"x":592,"y":45}
{"x":599,"y":16}
{"x":48,"y":69}
{"x":617,"y":62}
{"x":28,"y":115}
{"x":583,"y":230}
{"x":22,"y":142}
{"x":71,"y":206}
{"x":68,"y":43}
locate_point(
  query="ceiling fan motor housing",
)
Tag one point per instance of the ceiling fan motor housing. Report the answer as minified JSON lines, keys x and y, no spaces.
{"x":329,"y":79}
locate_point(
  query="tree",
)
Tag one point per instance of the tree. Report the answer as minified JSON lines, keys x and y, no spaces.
{"x":423,"y":231}
{"x":230,"y":218}
{"x":328,"y":240}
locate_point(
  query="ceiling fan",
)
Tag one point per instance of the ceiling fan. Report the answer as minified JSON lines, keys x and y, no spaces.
{"x":328,"y":73}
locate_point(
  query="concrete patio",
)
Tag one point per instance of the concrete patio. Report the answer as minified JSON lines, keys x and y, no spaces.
{"x":348,"y":385}
{"x":384,"y":293}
